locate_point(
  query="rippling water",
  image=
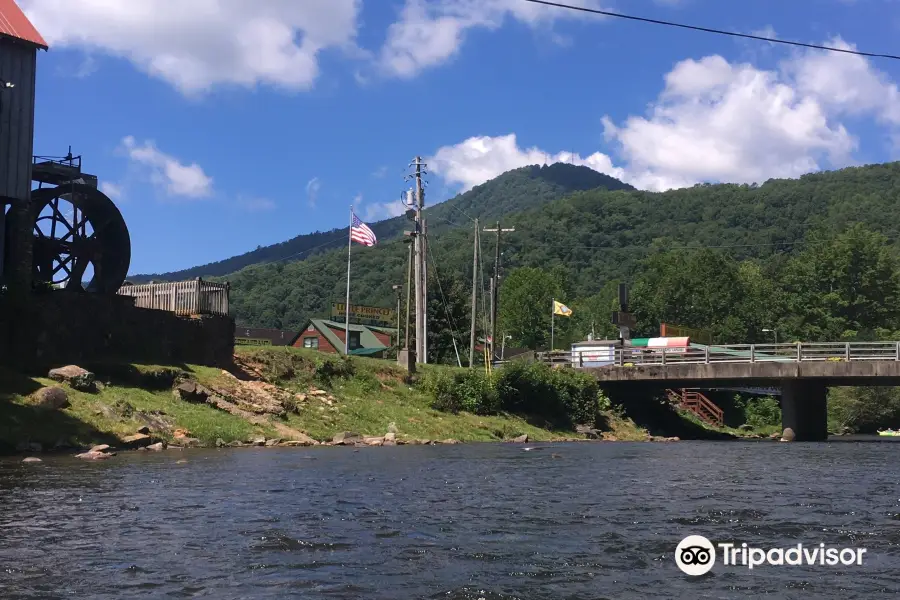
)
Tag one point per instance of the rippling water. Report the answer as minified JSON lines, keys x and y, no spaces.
{"x":576,"y":521}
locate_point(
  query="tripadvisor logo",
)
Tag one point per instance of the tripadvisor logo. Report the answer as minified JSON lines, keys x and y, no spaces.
{"x":696,"y":555}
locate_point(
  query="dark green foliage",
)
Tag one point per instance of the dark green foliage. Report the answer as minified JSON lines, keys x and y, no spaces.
{"x":863,"y":410}
{"x":762,"y":412}
{"x":562,"y":396}
{"x":454,"y":391}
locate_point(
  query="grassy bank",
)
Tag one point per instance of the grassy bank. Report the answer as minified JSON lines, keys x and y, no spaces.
{"x":321,"y":395}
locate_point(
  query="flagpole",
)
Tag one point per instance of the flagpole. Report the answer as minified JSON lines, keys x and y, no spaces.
{"x":552,"y":318}
{"x":347,"y":302}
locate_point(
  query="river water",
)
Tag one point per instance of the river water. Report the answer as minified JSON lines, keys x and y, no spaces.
{"x":492,"y":521}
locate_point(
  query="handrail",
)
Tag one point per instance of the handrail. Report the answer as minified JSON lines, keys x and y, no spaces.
{"x":732,"y":353}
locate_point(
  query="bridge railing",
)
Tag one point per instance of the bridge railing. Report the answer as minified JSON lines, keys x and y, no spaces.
{"x":729,"y":353}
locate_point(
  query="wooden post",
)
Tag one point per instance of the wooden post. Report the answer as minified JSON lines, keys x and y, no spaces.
{"x":799,"y":352}
{"x":847,"y":351}
{"x":197,"y":305}
{"x":752,"y":353}
{"x":227,"y":290}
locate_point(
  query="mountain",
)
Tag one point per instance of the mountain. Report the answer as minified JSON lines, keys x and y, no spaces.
{"x":596,"y":236}
{"x":513,"y":191}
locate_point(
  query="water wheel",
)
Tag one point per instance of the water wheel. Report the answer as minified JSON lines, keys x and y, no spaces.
{"x":81,"y":242}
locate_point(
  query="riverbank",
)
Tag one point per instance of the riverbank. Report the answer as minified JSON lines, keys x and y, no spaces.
{"x":274,"y":396}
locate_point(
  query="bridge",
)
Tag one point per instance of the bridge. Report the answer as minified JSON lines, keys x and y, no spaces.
{"x":803,"y":372}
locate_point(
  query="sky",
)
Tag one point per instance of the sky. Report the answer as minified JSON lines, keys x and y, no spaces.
{"x":221,"y":125}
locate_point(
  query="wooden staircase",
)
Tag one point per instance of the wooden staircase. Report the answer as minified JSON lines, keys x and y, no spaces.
{"x":701,"y":406}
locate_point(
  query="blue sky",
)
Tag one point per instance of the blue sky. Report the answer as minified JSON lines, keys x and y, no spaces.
{"x":224,"y":125}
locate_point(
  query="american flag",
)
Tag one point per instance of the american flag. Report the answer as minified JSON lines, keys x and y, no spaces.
{"x":360,"y":233}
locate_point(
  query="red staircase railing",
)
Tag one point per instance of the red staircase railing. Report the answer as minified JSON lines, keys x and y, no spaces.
{"x":695,"y":402}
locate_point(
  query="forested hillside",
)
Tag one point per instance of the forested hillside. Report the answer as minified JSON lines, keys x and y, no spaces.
{"x":517,"y":190}
{"x":595,"y":237}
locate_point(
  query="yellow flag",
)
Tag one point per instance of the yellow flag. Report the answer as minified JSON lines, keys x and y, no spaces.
{"x":561,"y":309}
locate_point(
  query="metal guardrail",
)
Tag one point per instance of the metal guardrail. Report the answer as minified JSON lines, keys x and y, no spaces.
{"x":730,"y":353}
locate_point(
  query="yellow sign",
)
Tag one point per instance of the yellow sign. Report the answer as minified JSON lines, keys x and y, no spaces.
{"x":239,"y":341}
{"x":364,"y":315}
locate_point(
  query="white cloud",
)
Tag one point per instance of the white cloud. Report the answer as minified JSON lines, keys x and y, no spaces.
{"x":384,"y":210}
{"x":113,"y":190}
{"x":312,"y":190}
{"x":198,"y":43}
{"x":717,"y":121}
{"x":380,"y":172}
{"x":479,"y":159}
{"x":177,"y":178}
{"x":430,"y":32}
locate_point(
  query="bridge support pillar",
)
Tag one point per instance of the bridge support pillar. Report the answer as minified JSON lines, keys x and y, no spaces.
{"x":804,"y":409}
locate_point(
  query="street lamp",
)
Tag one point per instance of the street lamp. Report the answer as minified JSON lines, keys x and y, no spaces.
{"x":775,"y":331}
{"x":6,"y":84}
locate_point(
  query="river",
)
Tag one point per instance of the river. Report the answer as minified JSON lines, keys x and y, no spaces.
{"x":492,"y":521}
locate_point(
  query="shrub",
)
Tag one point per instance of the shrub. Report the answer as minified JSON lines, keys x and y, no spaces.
{"x":470,"y":391}
{"x":562,"y":396}
{"x":762,"y":412}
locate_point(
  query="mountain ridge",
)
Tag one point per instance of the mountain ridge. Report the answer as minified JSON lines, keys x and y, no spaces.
{"x":558,"y":179}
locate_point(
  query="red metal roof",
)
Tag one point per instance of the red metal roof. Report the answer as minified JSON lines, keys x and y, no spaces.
{"x":14,"y":23}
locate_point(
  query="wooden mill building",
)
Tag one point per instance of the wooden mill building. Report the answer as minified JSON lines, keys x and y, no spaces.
{"x":19,"y":44}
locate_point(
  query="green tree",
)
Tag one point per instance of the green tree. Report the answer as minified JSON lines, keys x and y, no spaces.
{"x":448,"y":318}
{"x":843,"y":288}
{"x":525,"y":303}
{"x":697,"y":288}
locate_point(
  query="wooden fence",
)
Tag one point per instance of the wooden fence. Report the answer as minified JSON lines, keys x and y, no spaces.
{"x":196,"y":297}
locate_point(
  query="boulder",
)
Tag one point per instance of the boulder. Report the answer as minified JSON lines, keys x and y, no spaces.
{"x":346,"y":438}
{"x":257,"y":441}
{"x":390,"y":436}
{"x":300,"y":397}
{"x":144,"y":429}
{"x":190,"y":391}
{"x":31,"y":459}
{"x":788,"y":435}
{"x":425,"y":442}
{"x":157,"y":447}
{"x":272,"y":442}
{"x":520,"y":439}
{"x":93,"y":455}
{"x":236,"y":444}
{"x":100,"y":448}
{"x":181,"y":433}
{"x":373,"y":441}
{"x":138,"y":440}
{"x":450,"y":441}
{"x":315,"y":392}
{"x":295,"y":443}
{"x":220,"y":443}
{"x":78,"y":378}
{"x":189,"y":442}
{"x":51,"y":398}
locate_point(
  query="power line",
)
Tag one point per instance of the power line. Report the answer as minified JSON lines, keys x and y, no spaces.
{"x":451,"y":321}
{"x":607,"y":13}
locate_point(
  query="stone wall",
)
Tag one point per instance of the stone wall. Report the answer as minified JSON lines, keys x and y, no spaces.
{"x":59,"y":328}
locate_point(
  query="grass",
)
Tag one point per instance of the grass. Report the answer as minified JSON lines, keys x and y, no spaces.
{"x":370,"y":396}
{"x":103,"y":417}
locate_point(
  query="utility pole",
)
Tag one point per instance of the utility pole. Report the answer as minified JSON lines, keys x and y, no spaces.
{"x":408,"y":290}
{"x":495,"y":284}
{"x":474,"y":297}
{"x":419,"y":262}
